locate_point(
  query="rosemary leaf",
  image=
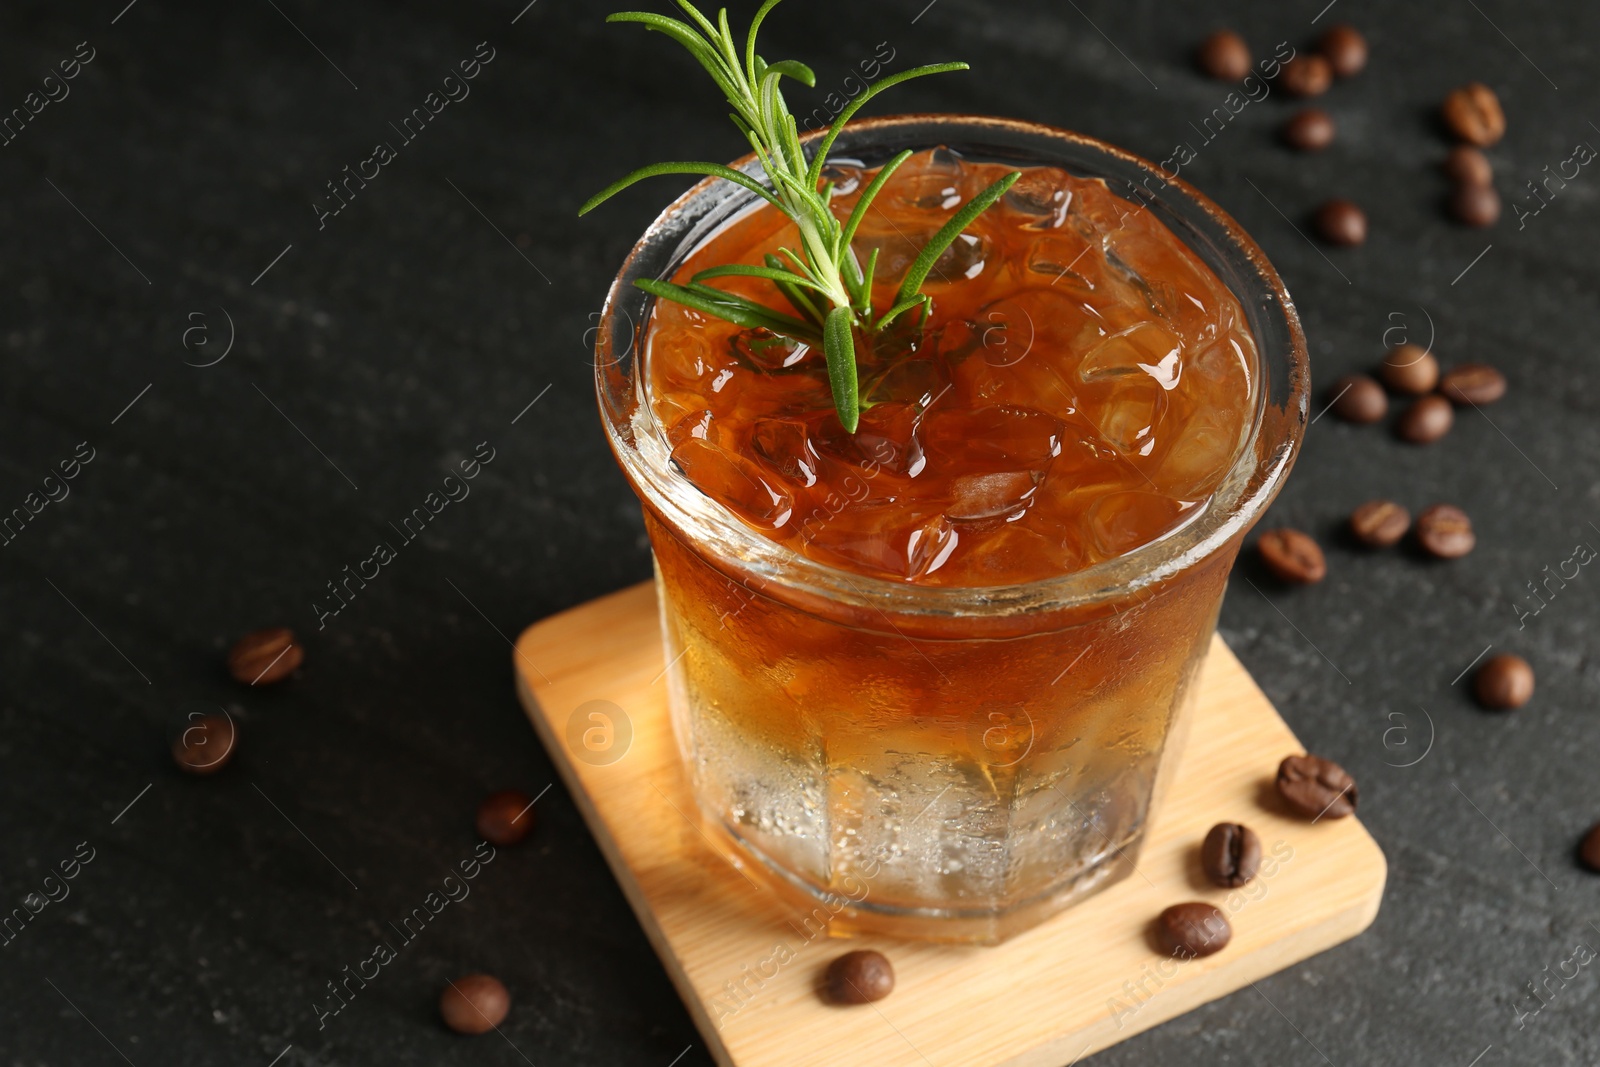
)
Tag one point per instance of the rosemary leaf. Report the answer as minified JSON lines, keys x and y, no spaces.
{"x":797,"y":299}
{"x":750,"y":57}
{"x":792,"y":68}
{"x":864,"y":299}
{"x":839,"y":346}
{"x":684,"y":34}
{"x":902,"y":307}
{"x":715,"y":170}
{"x":745,"y":270}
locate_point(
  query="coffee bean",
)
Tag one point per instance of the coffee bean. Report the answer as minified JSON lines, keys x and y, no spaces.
{"x":1475,"y":205}
{"x":1444,"y":531}
{"x":1589,"y":848}
{"x":1231,"y":854}
{"x":1344,"y":48}
{"x":265,"y":656}
{"x":1380,"y":523}
{"x":1466,"y":165}
{"x":206,"y":744}
{"x":1426,"y":420}
{"x":1409,"y":369}
{"x":505,"y":818}
{"x":1309,"y":130}
{"x":1185,"y":931}
{"x":1316,"y":788}
{"x":1473,"y":114}
{"x":1306,"y":75}
{"x":1503,"y":682}
{"x":1358,"y":398}
{"x":1292,"y":556}
{"x":1341,"y":222}
{"x":475,"y":1004}
{"x":1225,"y":56}
{"x":1473,"y":383}
{"x":859,"y":977}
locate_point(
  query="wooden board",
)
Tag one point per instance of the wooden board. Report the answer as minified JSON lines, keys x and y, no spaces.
{"x":1079,"y":982}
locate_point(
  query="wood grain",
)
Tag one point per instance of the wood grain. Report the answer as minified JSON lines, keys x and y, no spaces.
{"x":1079,"y":982}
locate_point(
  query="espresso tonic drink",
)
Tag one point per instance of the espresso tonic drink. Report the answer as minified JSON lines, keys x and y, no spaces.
{"x":923,"y":674}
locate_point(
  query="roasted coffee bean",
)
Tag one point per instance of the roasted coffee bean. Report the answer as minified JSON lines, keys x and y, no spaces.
{"x":1231,"y":854}
{"x":1292,"y":556}
{"x":505,"y":818}
{"x":1380,"y":523}
{"x":1466,"y":165}
{"x":1503,"y":682}
{"x":1185,"y":931}
{"x":1473,"y":114}
{"x":859,"y":977}
{"x":1341,"y":222}
{"x":1306,"y":75}
{"x":1475,"y":205}
{"x":1473,"y":383}
{"x":1225,"y":56}
{"x":1426,"y":420}
{"x":265,"y":656}
{"x":206,"y":744}
{"x":1309,"y":130}
{"x":1316,"y":788}
{"x":1344,"y":48}
{"x":1589,"y":848}
{"x":1358,"y":398}
{"x":1409,"y":369}
{"x":1444,"y":531}
{"x":475,"y":1004}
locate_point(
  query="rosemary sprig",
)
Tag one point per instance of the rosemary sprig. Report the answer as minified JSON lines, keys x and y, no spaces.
{"x":824,"y":282}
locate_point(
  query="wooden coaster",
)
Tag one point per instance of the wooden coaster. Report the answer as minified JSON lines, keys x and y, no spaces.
{"x":748,"y":971}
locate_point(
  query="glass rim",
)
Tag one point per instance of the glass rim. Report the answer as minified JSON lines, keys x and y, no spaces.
{"x":1257,"y":471}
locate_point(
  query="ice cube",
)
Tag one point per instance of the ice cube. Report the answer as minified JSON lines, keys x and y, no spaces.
{"x":928,"y":181}
{"x":1127,"y":414}
{"x":735,"y":482}
{"x":965,"y":259}
{"x":896,"y":252}
{"x":993,"y":439}
{"x":785,"y":444}
{"x":868,"y":535}
{"x":915,"y":381}
{"x":888,"y":437}
{"x":1145,"y":348}
{"x":1198,"y":452}
{"x":1049,"y":321}
{"x":1227,"y":363}
{"x":845,"y":177}
{"x":1125,"y":272}
{"x":977,"y":498}
{"x":1039,"y":200}
{"x":768,"y":351}
{"x":1011,"y":550}
{"x":698,"y":424}
{"x":956,"y":340}
{"x":1063,"y":260}
{"x":929,"y":546}
{"x":1122,"y":521}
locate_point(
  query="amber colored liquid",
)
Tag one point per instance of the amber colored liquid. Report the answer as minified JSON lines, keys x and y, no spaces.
{"x":1081,"y":389}
{"x":1083,"y":384}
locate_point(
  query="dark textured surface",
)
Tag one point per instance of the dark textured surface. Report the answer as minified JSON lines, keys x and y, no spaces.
{"x":408,"y":330}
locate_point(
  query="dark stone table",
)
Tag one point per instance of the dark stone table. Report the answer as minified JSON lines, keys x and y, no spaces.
{"x":172,"y":204}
